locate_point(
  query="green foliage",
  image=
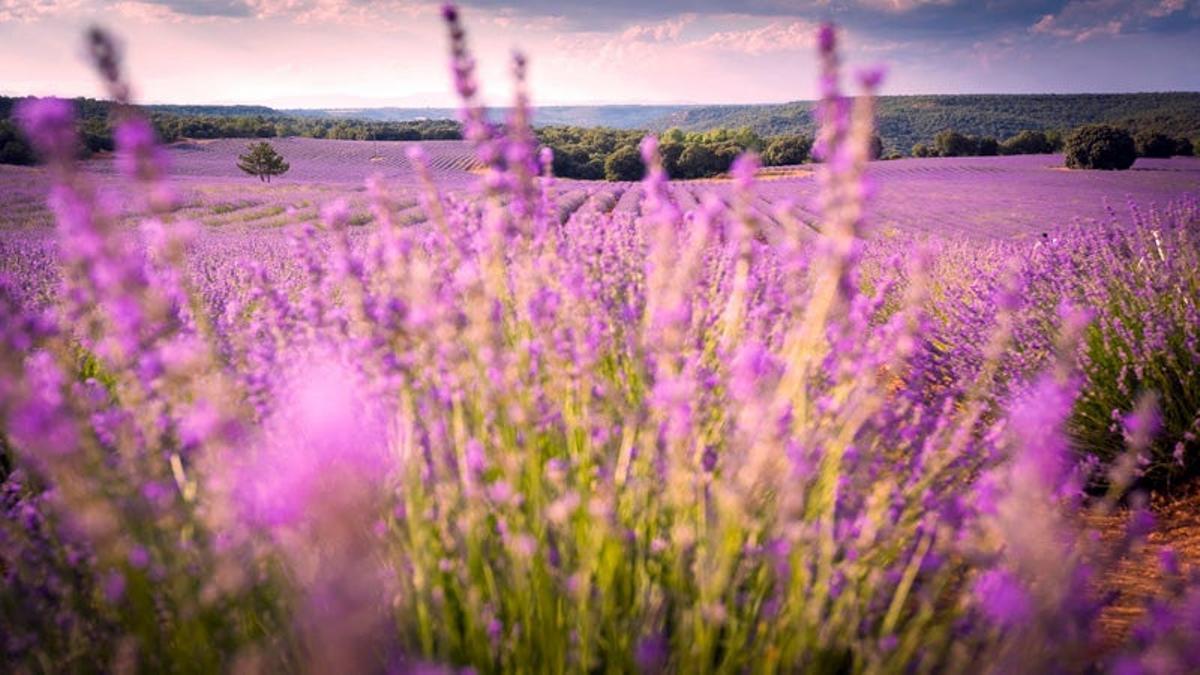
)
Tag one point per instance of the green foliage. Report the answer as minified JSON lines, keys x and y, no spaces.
{"x":904,"y":121}
{"x":262,"y":161}
{"x":922,"y":150}
{"x":669,"y":153}
{"x":1154,"y":144}
{"x":595,"y":154}
{"x":875,"y":148}
{"x":951,"y":143}
{"x":1099,"y":146}
{"x":94,"y":133}
{"x":698,"y":161}
{"x":173,"y":127}
{"x":1027,"y":143}
{"x":1142,"y":344}
{"x":787,"y":150}
{"x":13,"y":148}
{"x":582,"y":153}
{"x":203,"y":122}
{"x":625,"y":163}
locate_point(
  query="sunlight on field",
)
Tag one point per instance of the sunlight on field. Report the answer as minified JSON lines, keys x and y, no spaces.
{"x":423,"y":407}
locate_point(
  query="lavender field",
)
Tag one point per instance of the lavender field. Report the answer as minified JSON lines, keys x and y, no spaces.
{"x":423,"y":407}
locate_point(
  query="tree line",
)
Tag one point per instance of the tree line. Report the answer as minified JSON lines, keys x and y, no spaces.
{"x":173,"y":123}
{"x":612,"y":154}
{"x":904,"y":121}
{"x":950,"y":143}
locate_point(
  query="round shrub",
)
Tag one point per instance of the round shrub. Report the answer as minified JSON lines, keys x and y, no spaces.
{"x":697,"y":161}
{"x":1153,"y":144}
{"x":787,"y":150}
{"x":724,"y":153}
{"x":669,"y":153}
{"x":875,"y":148}
{"x":950,"y":143}
{"x":624,"y":164}
{"x":988,"y":147}
{"x":1099,"y":146}
{"x":1027,"y":143}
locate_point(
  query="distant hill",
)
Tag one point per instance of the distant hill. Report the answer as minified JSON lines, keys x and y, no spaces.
{"x":613,"y":116}
{"x":906,"y":120}
{"x":903,"y":120}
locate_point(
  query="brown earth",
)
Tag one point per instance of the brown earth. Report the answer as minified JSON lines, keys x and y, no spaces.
{"x":1138,"y":576}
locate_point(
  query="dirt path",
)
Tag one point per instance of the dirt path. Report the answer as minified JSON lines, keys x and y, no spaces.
{"x":1138,"y":577}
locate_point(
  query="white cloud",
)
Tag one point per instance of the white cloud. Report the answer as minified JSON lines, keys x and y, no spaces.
{"x":1083,"y":20}
{"x":661,"y":31}
{"x":777,"y":36}
{"x":32,"y":10}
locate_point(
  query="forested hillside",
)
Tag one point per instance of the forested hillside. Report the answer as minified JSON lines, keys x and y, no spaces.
{"x":907,"y":120}
{"x":903,"y":121}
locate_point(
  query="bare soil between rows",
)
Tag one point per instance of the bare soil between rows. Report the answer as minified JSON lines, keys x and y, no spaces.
{"x":1137,"y":578}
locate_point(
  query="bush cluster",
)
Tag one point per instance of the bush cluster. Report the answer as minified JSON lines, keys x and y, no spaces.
{"x":1089,"y":139}
{"x":1160,"y":145}
{"x":1099,"y":146}
{"x":611,"y":154}
{"x":950,"y":143}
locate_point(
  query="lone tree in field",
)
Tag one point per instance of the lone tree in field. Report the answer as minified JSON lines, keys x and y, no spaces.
{"x":1099,"y":146}
{"x":262,"y":161}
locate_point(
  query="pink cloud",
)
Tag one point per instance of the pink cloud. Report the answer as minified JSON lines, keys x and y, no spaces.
{"x":1082,"y":20}
{"x":32,"y":10}
{"x":661,"y":31}
{"x":904,"y":5}
{"x":777,"y":36}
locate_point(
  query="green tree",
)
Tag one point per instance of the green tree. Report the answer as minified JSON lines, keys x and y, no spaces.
{"x":625,"y":163}
{"x":787,"y":150}
{"x":1057,"y":140}
{"x":875,"y":149}
{"x":698,"y":161}
{"x":263,"y":161}
{"x":669,"y":154}
{"x":1154,"y":144}
{"x":1099,"y":146}
{"x":1027,"y":143}
{"x":13,"y":148}
{"x":950,"y":143}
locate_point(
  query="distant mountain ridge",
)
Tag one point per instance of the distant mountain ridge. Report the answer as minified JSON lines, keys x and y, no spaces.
{"x":903,"y":121}
{"x":615,"y":116}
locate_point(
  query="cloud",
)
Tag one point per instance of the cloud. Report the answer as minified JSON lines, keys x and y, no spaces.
{"x":904,"y":5}
{"x":1083,"y":20}
{"x":777,"y":36}
{"x":221,"y":8}
{"x":662,"y":31}
{"x":615,"y":14}
{"x":380,"y":13}
{"x":32,"y":10}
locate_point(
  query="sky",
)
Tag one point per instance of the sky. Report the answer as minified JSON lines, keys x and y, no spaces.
{"x":367,"y":53}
